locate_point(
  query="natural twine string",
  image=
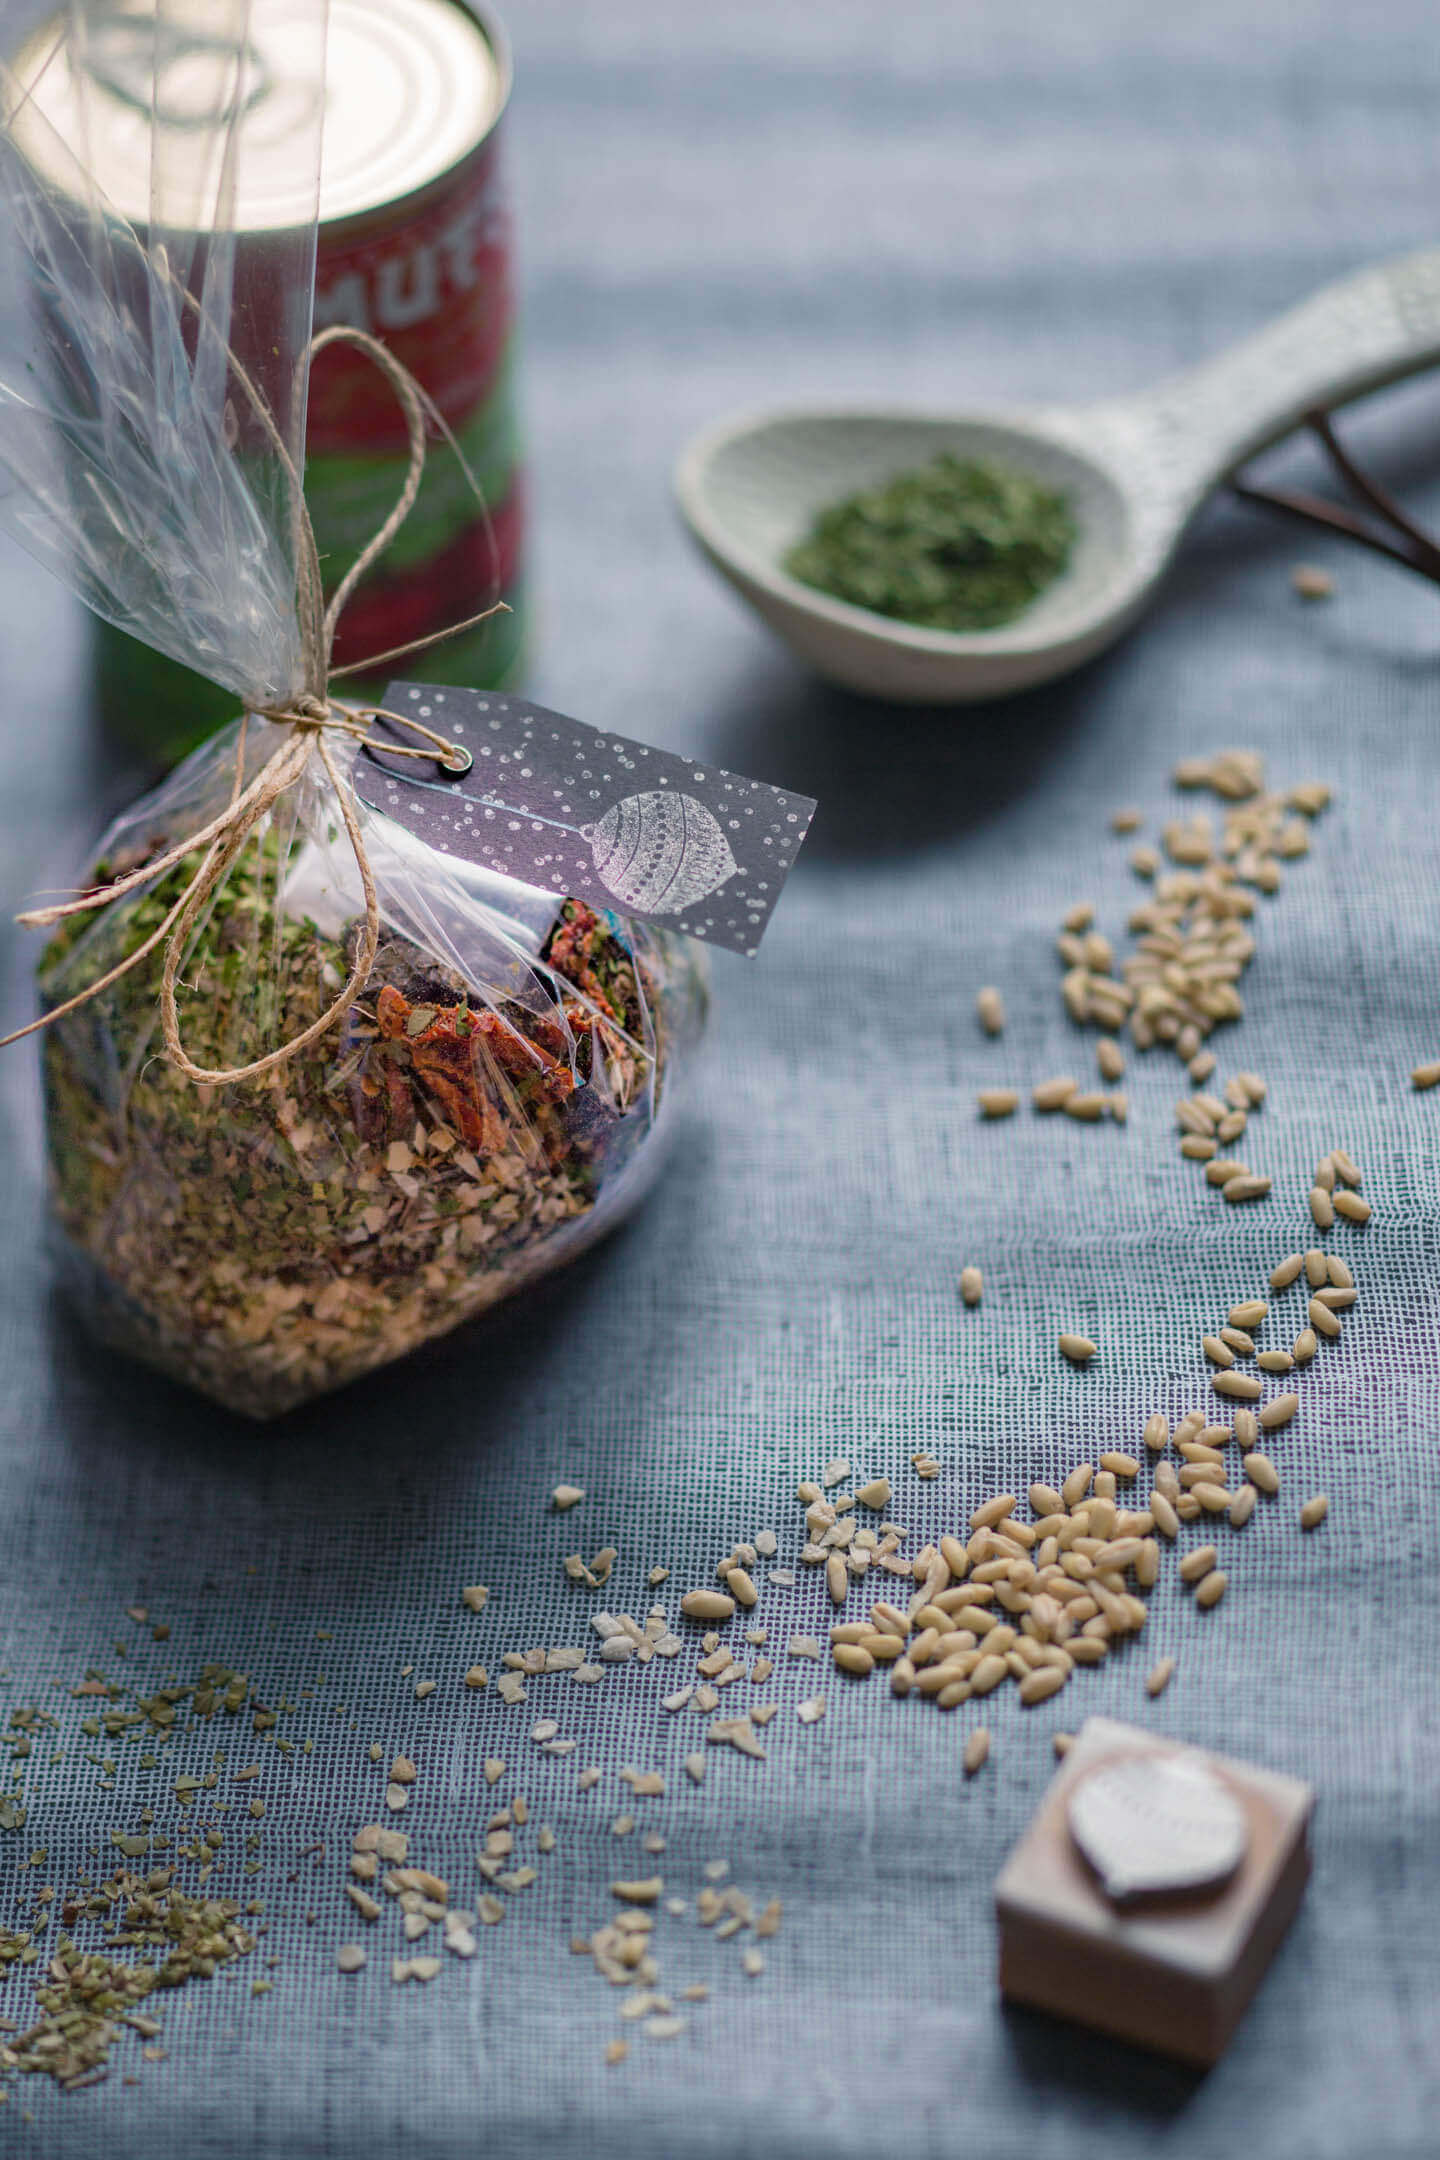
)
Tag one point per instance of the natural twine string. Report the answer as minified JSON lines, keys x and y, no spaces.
{"x":309,"y":717}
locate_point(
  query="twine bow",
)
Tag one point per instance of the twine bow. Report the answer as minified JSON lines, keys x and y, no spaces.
{"x":309,"y":718}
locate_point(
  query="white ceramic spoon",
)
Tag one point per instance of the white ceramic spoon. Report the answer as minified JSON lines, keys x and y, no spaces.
{"x":1135,"y":471}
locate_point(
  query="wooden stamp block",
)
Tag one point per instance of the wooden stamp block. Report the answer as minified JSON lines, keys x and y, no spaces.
{"x":1152,"y":1910}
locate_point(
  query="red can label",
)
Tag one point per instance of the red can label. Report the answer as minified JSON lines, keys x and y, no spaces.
{"x":433,"y":279}
{"x":436,"y":286}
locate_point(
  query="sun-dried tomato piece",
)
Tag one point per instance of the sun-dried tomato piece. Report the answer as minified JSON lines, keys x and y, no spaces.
{"x":457,"y":1053}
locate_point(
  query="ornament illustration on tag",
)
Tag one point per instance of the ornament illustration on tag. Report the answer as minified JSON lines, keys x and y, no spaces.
{"x":660,"y":852}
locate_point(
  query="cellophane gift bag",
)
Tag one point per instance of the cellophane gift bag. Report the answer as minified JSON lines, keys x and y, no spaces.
{"x":493,"y":1090}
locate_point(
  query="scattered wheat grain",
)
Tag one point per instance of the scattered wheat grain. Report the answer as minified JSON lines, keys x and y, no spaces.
{"x":1166,"y":1520}
{"x":990,"y":1010}
{"x":1242,"y":1506}
{"x":707,"y":1605}
{"x":1322,"y":1320}
{"x":1086,"y":1109}
{"x":1077,"y":1484}
{"x":1077,"y":1348}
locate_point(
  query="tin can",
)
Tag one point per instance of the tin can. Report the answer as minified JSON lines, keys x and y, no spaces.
{"x":413,"y":245}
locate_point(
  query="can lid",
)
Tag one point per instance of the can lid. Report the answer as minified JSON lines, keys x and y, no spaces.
{"x":411,"y":87}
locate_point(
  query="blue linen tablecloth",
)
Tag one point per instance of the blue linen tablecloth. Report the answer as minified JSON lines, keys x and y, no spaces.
{"x":916,"y":204}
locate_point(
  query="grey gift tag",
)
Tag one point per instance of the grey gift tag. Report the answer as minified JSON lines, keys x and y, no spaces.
{"x":560,"y":805}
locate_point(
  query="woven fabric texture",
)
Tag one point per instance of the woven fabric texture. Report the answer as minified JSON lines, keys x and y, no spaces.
{"x":733,"y":206}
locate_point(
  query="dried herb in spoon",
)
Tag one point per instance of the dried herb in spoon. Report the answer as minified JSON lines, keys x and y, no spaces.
{"x":953,"y":545}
